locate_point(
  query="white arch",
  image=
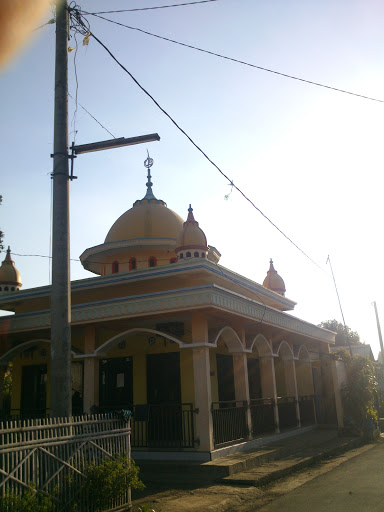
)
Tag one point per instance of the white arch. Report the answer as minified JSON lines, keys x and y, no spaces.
{"x":303,"y":354}
{"x":18,"y":349}
{"x":231,"y":339}
{"x":123,"y":335}
{"x":286,"y":351}
{"x":262,"y":346}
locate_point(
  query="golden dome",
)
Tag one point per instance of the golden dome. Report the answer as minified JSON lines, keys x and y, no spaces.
{"x":144,"y":236}
{"x":147,"y":219}
{"x":273,"y":281}
{"x":191,"y":236}
{"x":9,"y":275}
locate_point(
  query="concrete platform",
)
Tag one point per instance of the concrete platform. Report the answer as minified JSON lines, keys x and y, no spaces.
{"x":255,"y":467}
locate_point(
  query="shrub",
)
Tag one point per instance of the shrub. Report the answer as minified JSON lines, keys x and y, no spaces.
{"x":29,"y":501}
{"x":107,"y":482}
{"x":146,"y":508}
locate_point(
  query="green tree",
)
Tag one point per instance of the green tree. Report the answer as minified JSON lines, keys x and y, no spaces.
{"x":360,"y":393}
{"x":344,"y":335}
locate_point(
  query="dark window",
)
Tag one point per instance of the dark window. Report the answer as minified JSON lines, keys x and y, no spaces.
{"x":12,"y":289}
{"x":254,"y":379}
{"x":6,"y":288}
{"x":202,"y":255}
{"x":225,"y":377}
{"x":152,"y":261}
{"x":173,"y":260}
{"x":181,"y":256}
{"x":33,"y":390}
{"x":132,"y":264}
{"x":188,"y":255}
{"x":195,"y":254}
{"x":115,"y":267}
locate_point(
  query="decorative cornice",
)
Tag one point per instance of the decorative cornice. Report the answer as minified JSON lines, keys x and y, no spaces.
{"x":154,"y":273}
{"x":170,"y":301}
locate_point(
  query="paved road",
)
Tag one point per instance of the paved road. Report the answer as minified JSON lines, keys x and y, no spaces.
{"x":355,"y":486}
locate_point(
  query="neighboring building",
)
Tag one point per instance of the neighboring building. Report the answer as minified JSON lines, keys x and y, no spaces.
{"x":205,"y":357}
{"x":358,"y":349}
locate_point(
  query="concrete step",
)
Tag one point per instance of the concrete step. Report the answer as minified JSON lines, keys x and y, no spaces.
{"x":288,"y":464}
{"x":250,"y":467}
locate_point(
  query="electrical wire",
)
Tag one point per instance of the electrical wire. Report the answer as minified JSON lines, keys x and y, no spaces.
{"x":202,"y":152}
{"x":244,"y":63}
{"x":99,"y":262}
{"x":74,"y":117}
{"x":49,"y":22}
{"x":151,"y":8}
{"x":93,"y":117}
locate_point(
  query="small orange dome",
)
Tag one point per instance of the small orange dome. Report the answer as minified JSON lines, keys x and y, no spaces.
{"x":191,"y":236}
{"x":273,"y":281}
{"x":10,"y":279}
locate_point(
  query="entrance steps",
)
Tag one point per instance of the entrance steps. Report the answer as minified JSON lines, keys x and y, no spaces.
{"x":255,"y":467}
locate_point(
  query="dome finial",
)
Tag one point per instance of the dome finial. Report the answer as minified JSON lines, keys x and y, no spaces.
{"x":8,"y":256}
{"x":148,"y":162}
{"x":190,"y":217}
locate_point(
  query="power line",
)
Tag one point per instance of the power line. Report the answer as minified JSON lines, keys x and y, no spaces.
{"x":49,"y":22}
{"x":78,"y":17}
{"x":74,"y":117}
{"x":261,"y":68}
{"x":151,"y":8}
{"x":93,"y":117}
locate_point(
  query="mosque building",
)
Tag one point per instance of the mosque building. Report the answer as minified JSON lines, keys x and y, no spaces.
{"x":204,"y":357}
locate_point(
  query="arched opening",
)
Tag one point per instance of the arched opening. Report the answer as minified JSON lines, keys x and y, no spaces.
{"x":152,"y":262}
{"x":115,"y":267}
{"x":195,"y":254}
{"x":181,"y":256}
{"x":6,"y":288}
{"x":132,"y":264}
{"x":188,"y":255}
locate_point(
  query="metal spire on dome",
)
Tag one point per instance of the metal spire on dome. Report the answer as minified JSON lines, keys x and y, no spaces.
{"x":190,"y":217}
{"x":148,"y":162}
{"x":8,"y":257}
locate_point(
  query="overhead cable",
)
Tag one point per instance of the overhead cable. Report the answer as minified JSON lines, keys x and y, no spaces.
{"x":49,"y":22}
{"x":93,"y":117}
{"x":200,"y":150}
{"x":244,"y":63}
{"x":151,"y":8}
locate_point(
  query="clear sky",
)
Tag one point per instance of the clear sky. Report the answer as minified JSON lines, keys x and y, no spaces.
{"x":310,"y":158}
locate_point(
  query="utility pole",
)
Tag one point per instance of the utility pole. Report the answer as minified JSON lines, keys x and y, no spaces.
{"x":341,"y":309}
{"x":379,"y":331}
{"x":60,"y":369}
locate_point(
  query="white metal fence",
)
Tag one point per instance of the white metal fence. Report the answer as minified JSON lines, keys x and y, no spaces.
{"x":51,"y":452}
